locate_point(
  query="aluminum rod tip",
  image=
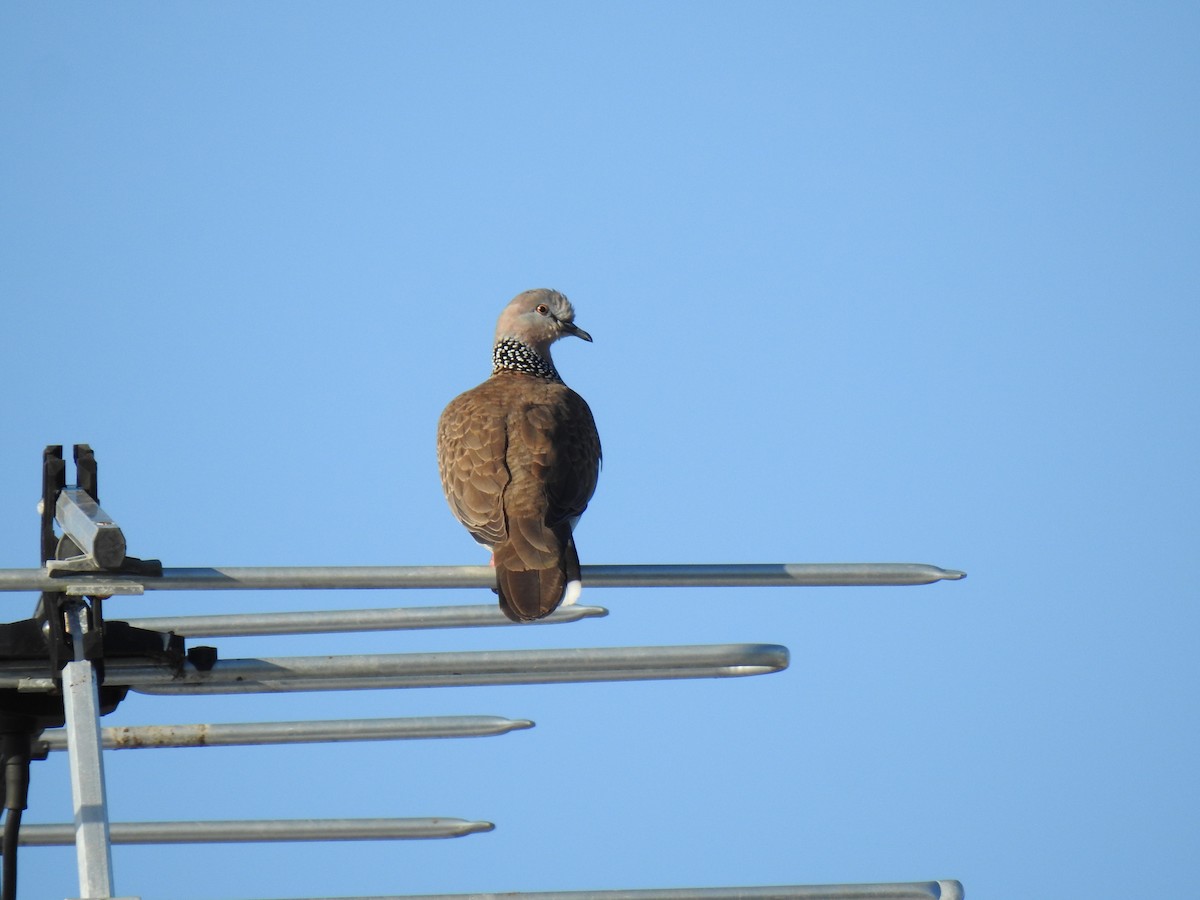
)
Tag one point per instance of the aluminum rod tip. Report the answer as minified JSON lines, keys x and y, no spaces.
{"x":258,"y":831}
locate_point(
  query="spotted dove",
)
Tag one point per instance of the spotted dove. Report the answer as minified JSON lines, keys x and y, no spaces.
{"x":519,"y":456}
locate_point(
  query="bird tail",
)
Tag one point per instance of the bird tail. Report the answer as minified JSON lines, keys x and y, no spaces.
{"x":533,"y":568}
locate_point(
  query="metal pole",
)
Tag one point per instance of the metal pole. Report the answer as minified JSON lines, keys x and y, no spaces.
{"x":136,"y":737}
{"x":921,"y":890}
{"x":254,"y":831}
{"x":334,"y":621}
{"x":256,"y":578}
{"x":82,"y":704}
{"x":412,"y":670}
{"x":460,"y":668}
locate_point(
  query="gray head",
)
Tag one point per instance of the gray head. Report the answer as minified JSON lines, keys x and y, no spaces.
{"x":537,"y":319}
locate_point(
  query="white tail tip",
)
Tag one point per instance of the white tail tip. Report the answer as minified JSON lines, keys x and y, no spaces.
{"x":574,"y":589}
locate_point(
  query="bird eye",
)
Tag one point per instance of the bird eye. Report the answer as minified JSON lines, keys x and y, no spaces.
{"x":543,"y":309}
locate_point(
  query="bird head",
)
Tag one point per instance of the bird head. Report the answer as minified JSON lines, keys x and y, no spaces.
{"x":537,"y":319}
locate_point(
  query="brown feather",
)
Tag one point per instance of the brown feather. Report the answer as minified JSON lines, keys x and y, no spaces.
{"x":519,"y":457}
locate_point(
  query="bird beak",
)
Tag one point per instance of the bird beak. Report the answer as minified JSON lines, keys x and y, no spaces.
{"x":572,"y":328}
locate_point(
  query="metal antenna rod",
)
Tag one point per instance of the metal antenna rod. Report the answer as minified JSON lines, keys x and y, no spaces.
{"x":139,"y":737}
{"x":260,"y":578}
{"x":255,"y":830}
{"x":413,"y":670}
{"x":920,"y":890}
{"x":336,"y":621}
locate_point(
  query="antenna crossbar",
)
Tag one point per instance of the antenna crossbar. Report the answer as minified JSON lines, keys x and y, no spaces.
{"x":256,"y":830}
{"x":412,"y":670}
{"x":139,"y":737}
{"x":919,"y":890}
{"x":264,"y":578}
{"x":339,"y":621}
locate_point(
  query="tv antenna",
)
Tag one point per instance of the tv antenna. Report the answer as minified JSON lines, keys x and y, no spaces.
{"x":68,"y":665}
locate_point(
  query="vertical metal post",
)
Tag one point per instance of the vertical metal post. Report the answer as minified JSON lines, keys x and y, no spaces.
{"x":81,"y":700}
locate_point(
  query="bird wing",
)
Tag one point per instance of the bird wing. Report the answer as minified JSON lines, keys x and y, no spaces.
{"x":553,"y":455}
{"x":472,"y":445}
{"x":572,"y":482}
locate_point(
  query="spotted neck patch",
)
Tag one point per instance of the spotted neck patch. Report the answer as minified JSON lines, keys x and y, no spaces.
{"x":511,"y":355}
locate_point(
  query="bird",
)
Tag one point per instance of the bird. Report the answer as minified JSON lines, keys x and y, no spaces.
{"x":519,"y":457}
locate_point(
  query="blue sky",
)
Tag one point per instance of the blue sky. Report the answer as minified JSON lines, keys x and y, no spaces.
{"x":868,"y":282}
